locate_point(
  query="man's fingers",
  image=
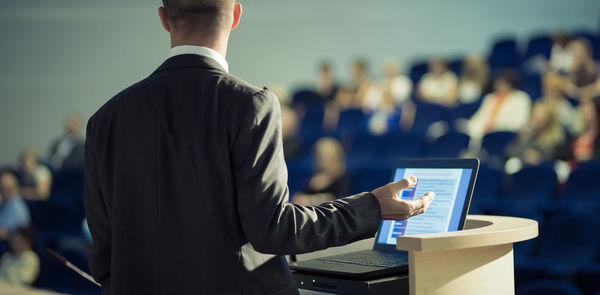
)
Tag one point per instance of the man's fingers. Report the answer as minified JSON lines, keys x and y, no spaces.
{"x":420,"y":205}
{"x":404,"y":183}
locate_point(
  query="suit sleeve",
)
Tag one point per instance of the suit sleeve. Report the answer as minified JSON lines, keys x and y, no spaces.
{"x":97,"y":216}
{"x":270,"y":223}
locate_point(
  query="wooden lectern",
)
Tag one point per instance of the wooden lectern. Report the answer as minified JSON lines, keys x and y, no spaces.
{"x":476,"y":260}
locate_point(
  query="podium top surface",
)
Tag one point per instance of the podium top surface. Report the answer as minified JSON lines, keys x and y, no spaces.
{"x":480,"y":231}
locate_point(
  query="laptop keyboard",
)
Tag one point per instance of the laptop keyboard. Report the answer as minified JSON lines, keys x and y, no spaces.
{"x":369,"y":258}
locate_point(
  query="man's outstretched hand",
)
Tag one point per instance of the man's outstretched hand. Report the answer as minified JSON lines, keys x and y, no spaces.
{"x":396,"y":209}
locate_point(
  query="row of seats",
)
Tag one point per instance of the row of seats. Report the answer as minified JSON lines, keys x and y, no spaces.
{"x":506,"y":52}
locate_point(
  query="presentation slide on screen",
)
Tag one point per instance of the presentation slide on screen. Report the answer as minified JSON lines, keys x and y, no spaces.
{"x":450,"y":187}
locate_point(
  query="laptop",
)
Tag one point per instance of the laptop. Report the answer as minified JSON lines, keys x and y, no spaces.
{"x":452,"y":181}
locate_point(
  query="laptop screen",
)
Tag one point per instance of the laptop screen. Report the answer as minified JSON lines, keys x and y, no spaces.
{"x":451,"y":187}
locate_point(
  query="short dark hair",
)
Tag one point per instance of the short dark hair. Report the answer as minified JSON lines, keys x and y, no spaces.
{"x":188,"y":16}
{"x":509,"y":76}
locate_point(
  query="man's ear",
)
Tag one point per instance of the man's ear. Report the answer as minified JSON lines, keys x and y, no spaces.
{"x":237,"y":15}
{"x":164,"y":18}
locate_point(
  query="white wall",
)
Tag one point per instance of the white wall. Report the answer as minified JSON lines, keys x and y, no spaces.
{"x":61,"y":56}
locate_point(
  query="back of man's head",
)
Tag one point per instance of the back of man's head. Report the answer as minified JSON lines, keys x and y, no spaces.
{"x":198,"y":16}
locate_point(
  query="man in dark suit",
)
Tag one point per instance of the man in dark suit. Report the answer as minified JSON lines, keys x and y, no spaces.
{"x":185,"y":179}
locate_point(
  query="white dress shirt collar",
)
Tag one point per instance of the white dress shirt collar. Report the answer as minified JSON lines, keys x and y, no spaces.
{"x":203,"y":51}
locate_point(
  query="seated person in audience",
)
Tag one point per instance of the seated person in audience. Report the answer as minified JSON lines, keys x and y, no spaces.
{"x":330,"y":179}
{"x":554,"y":98}
{"x":586,"y":145}
{"x":388,"y":96}
{"x":326,"y":85}
{"x":560,"y":56}
{"x":474,"y":79}
{"x":292,"y":146}
{"x":20,"y":266}
{"x":349,"y":96}
{"x":34,"y":178}
{"x":583,"y":73}
{"x":13,"y":210}
{"x":537,"y":141}
{"x":505,"y":109}
{"x":66,"y":152}
{"x":353,"y":94}
{"x":439,"y":85}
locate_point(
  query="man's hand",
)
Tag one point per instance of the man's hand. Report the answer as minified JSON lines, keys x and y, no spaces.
{"x":396,"y":209}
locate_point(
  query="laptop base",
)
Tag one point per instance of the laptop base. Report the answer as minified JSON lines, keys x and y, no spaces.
{"x":317,"y":284}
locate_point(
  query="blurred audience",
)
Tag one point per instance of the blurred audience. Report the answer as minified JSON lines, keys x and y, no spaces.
{"x":389,"y":97}
{"x":439,"y":85}
{"x":391,"y":92}
{"x":292,"y":145}
{"x":560,"y":56}
{"x":326,"y":85}
{"x":538,"y":140}
{"x":583,"y":73}
{"x":586,"y":145}
{"x":353,"y":95}
{"x":66,"y":152}
{"x":330,"y":179}
{"x":506,"y":109}
{"x":553,"y":96}
{"x":474,"y":79}
{"x":21,"y":264}
{"x":34,"y":178}
{"x":13,"y":210}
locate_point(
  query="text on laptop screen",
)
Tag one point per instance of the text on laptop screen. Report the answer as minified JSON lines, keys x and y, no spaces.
{"x":450,"y":186}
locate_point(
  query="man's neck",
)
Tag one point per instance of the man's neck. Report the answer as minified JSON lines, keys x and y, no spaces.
{"x":219,"y":44}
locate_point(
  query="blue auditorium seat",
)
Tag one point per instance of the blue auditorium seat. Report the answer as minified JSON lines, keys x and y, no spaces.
{"x":462,"y":111}
{"x":549,"y":287}
{"x":299,"y":174}
{"x":449,"y":145}
{"x":417,"y":70}
{"x":587,"y":278}
{"x":68,"y":181}
{"x":532,"y":85}
{"x":397,"y":145}
{"x":487,"y":189}
{"x":582,"y":188}
{"x":349,"y":123}
{"x":571,"y":238}
{"x":372,"y":177}
{"x":504,"y":54}
{"x":539,"y":45}
{"x":495,"y":143}
{"x":311,"y":126}
{"x":427,"y":113}
{"x":567,"y":243}
{"x":364,"y":146}
{"x":455,"y":65}
{"x":306,"y":97}
{"x":60,"y":214}
{"x":531,"y":187}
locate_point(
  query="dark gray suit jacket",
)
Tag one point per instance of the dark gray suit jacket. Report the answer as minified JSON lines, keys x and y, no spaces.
{"x":185,"y":183}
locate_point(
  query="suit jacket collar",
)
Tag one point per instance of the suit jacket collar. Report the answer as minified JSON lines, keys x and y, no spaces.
{"x":189,"y":61}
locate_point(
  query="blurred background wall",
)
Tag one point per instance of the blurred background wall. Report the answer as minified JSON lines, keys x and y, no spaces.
{"x":73,"y":55}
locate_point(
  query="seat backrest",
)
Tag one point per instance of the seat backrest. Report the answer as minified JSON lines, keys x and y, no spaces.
{"x":583,"y":184}
{"x":549,"y":287}
{"x":495,"y":142}
{"x":570,"y":238}
{"x":449,"y":145}
{"x":532,"y":183}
